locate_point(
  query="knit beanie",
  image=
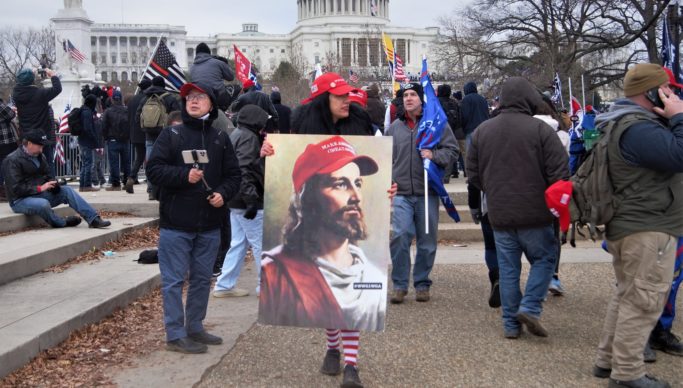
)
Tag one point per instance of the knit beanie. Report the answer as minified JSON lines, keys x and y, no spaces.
{"x":144,"y":84}
{"x":643,"y":77}
{"x":417,"y":87}
{"x":25,"y":77}
{"x":90,"y":101}
{"x":203,"y":48}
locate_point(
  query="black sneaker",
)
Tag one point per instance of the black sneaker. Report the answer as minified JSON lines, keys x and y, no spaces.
{"x":186,"y":345}
{"x":600,"y":372}
{"x":646,"y":381}
{"x":72,"y":220}
{"x":649,"y":355}
{"x":351,"y":378}
{"x":203,"y":337}
{"x":667,"y":342}
{"x":98,"y":222}
{"x":494,"y":298}
{"x":331,"y":365}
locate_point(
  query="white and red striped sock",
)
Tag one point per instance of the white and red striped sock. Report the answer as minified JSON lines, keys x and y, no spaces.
{"x":333,"y":338}
{"x":351,"y":344}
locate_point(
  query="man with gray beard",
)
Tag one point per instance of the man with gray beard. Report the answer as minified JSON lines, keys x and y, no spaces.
{"x":319,"y":277}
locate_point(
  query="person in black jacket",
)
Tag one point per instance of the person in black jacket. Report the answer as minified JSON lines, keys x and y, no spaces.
{"x":137,"y":136}
{"x":33,"y":109}
{"x":89,"y":141}
{"x":116,"y":135}
{"x":32,"y":189}
{"x":284,"y":112}
{"x":171,"y":104}
{"x":246,"y":208}
{"x":191,"y":205}
{"x":253,"y":96}
{"x":474,"y":108}
{"x":8,"y":140}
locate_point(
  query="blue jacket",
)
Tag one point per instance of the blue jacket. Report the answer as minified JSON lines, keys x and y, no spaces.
{"x":474,"y":108}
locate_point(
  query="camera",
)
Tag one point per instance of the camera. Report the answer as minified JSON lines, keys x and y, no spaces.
{"x":41,"y":71}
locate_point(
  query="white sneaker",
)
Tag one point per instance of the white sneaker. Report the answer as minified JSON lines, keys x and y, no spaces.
{"x":233,"y":292}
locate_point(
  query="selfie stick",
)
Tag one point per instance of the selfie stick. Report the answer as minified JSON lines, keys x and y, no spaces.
{"x":196,"y":165}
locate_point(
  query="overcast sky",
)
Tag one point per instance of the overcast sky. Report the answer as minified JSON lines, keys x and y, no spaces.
{"x":208,"y":17}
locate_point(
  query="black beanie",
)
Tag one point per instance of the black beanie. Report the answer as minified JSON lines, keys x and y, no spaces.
{"x":144,"y":84}
{"x":202,"y":48}
{"x":159,"y":81}
{"x":417,"y":87}
{"x":90,"y":101}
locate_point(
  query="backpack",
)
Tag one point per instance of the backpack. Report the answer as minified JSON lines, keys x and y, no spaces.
{"x":75,"y":122}
{"x":593,"y":199}
{"x":154,"y":113}
{"x":149,"y":256}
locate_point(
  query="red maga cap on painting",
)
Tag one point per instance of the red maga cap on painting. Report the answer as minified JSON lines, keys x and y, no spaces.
{"x":326,"y":157}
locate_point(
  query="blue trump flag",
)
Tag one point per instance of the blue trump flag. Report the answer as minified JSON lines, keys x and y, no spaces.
{"x":428,"y":136}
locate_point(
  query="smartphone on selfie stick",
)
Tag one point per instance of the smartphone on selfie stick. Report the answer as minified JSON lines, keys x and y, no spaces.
{"x":194,"y":157}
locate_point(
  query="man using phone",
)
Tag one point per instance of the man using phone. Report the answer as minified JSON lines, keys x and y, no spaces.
{"x":645,"y":164}
{"x":190,"y":215}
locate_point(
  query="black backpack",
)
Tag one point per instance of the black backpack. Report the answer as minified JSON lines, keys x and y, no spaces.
{"x":149,"y":256}
{"x":75,"y":122}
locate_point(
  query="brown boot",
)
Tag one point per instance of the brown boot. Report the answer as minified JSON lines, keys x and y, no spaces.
{"x":398,"y":296}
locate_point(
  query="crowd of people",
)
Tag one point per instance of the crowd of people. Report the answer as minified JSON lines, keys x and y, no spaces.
{"x":516,"y":157}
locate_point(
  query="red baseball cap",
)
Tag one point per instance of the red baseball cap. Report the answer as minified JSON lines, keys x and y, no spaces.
{"x":672,"y":79}
{"x":188,"y":87}
{"x":326,"y":157}
{"x":247,"y":84}
{"x":328,"y":82}
{"x":557,"y":198}
{"x":360,"y":96}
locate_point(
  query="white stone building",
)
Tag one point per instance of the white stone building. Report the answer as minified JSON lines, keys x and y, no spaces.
{"x":340,"y":29}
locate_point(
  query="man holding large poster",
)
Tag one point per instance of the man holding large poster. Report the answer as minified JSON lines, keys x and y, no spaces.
{"x":318,"y":276}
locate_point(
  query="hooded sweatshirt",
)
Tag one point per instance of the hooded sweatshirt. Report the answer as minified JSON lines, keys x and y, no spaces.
{"x":247,"y":140}
{"x":210,"y":71}
{"x":474,"y":108}
{"x":514,"y":157}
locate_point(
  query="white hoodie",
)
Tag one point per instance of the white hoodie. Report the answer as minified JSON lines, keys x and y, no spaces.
{"x":564,"y":136}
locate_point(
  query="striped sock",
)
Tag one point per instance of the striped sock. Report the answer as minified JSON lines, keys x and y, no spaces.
{"x":332,"y":338}
{"x":351,"y":343}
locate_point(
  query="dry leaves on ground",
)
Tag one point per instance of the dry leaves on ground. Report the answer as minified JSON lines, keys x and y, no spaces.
{"x":85,"y":357}
{"x":138,"y":238}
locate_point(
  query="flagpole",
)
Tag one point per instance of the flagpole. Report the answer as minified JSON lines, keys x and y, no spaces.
{"x":424,"y":170}
{"x":583,"y":94}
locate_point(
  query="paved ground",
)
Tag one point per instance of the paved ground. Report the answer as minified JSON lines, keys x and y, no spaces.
{"x":453,"y":341}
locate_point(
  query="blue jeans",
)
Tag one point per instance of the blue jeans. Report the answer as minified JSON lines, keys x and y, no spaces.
{"x":86,"y":166}
{"x":41,"y":205}
{"x":118,"y":150}
{"x":49,"y":152}
{"x":244,"y":233}
{"x":540,"y":247}
{"x":179,"y":253}
{"x":407,"y":220}
{"x":98,"y":168}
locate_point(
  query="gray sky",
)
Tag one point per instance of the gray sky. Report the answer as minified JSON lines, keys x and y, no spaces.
{"x":209,"y":17}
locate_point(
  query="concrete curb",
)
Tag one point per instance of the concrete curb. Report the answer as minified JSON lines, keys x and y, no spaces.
{"x":33,"y":251}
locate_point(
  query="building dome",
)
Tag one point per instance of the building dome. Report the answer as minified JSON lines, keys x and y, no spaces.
{"x":314,"y":12}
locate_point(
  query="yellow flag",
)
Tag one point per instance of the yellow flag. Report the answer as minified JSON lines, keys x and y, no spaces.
{"x":388,"y":48}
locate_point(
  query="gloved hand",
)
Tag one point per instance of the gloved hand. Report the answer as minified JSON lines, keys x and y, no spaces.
{"x":250,"y":214}
{"x":476,"y":215}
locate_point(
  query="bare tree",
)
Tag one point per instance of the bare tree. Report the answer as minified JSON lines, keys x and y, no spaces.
{"x":24,"y":47}
{"x":536,"y":38}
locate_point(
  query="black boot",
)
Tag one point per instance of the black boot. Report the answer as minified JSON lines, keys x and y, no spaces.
{"x":494,"y":297}
{"x":664,"y":340}
{"x":331,"y":365}
{"x":351,"y":378}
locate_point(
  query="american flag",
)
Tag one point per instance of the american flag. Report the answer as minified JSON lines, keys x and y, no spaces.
{"x":353,"y":77}
{"x":63,"y":127}
{"x":163,"y":64}
{"x":399,"y":74}
{"x":374,"y":11}
{"x":73,"y":51}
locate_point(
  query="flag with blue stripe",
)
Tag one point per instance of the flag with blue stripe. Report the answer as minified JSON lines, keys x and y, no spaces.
{"x":429,"y":134}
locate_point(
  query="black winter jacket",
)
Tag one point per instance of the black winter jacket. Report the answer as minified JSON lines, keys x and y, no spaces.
{"x":115,"y":123}
{"x":514,"y":157}
{"x":22,"y":177}
{"x":247,"y":144}
{"x":183,"y":205}
{"x":91,"y":136}
{"x":32,"y":106}
{"x":474,"y":108}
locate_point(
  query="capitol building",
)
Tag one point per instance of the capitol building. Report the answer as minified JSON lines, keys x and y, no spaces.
{"x":344,"y":30}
